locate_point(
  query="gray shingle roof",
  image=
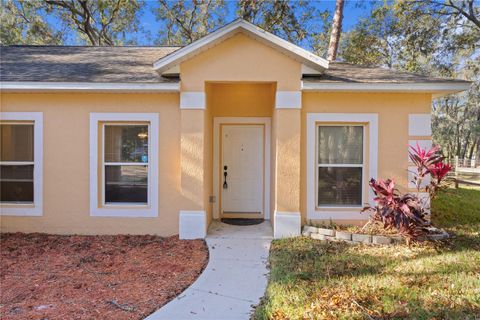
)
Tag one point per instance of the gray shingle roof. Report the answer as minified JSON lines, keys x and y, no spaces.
{"x":82,"y":64}
{"x":339,"y":72}
{"x":135,"y":65}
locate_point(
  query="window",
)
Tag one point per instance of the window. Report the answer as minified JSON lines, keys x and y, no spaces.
{"x":123,"y":177}
{"x":341,"y":156}
{"x":16,"y":162}
{"x":340,"y":165}
{"x":125,"y":163}
{"x":21,"y":163}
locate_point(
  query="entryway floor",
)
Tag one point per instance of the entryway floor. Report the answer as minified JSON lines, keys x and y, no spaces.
{"x":233,"y":281}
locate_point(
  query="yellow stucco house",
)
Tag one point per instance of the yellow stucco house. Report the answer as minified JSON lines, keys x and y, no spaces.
{"x":161,"y":140}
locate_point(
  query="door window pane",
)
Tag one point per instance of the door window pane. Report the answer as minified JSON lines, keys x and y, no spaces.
{"x":126,"y":184}
{"x":16,"y":142}
{"x":126,"y":143}
{"x":340,"y":145}
{"x":16,"y":183}
{"x":338,"y":186}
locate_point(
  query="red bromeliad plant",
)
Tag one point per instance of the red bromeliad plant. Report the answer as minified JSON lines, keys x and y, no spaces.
{"x":428,"y":162}
{"x":407,"y":213}
{"x":438,"y":172}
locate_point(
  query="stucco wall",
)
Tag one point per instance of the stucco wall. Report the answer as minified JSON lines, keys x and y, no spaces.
{"x":240,"y":99}
{"x":240,"y":77}
{"x":241,"y":59}
{"x":66,"y":162}
{"x":288,"y":161}
{"x":392,"y":109}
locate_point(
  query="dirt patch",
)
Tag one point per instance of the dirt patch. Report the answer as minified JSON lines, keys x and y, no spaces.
{"x":94,"y":277}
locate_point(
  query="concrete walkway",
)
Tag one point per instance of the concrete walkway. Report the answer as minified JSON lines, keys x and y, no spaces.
{"x":234,"y":279}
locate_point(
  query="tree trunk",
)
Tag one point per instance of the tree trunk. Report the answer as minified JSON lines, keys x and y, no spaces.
{"x":336,"y":31}
{"x":477,"y":157}
{"x":465,"y":146}
{"x":472,"y":149}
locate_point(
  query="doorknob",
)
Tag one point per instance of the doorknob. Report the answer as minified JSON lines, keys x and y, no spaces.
{"x":225,"y":174}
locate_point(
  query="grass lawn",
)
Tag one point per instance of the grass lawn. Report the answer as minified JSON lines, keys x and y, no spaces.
{"x":315,"y":280}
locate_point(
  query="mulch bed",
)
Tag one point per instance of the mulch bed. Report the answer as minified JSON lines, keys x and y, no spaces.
{"x":94,"y":277}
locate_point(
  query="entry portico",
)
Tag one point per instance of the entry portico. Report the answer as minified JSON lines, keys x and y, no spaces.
{"x":241,"y":82}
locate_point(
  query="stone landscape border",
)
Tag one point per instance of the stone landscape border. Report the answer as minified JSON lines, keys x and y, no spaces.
{"x":326,"y":234}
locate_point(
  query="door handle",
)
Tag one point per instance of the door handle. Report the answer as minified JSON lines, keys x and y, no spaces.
{"x":225,"y":174}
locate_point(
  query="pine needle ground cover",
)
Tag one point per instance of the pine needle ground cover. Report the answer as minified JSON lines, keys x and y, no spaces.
{"x":315,"y":280}
{"x":94,"y":277}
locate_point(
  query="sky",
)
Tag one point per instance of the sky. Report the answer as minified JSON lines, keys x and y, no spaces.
{"x":353,"y":11}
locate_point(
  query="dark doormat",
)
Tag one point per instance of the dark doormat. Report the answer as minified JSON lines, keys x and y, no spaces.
{"x":242,"y":221}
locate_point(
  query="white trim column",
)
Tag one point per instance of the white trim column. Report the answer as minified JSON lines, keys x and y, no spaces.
{"x":287,"y":129}
{"x":419,"y":131}
{"x":192,"y":216}
{"x":288,"y":100}
{"x":192,"y":100}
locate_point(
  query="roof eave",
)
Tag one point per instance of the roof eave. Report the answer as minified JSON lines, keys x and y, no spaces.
{"x":230,"y":30}
{"x":33,"y":86}
{"x":437,"y":89}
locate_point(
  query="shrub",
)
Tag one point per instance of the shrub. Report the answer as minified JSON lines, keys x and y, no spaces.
{"x":407,"y":213}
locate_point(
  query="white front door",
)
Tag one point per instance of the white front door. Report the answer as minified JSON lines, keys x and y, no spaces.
{"x":242,"y":161}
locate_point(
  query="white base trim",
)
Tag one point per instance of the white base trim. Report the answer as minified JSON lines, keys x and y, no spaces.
{"x":286,"y":224}
{"x":425,"y":198}
{"x":420,"y":124}
{"x":192,"y":225}
{"x":288,"y":100}
{"x":424,"y":144}
{"x":192,"y":100}
{"x":217,"y":121}
{"x":411,"y":174}
{"x":338,"y":214}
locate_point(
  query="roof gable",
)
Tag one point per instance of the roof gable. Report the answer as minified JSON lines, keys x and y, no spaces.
{"x":240,"y":26}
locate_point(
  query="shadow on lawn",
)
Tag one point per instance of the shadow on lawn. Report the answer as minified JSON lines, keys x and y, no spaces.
{"x":311,"y":259}
{"x":339,"y":276}
{"x":315,"y":280}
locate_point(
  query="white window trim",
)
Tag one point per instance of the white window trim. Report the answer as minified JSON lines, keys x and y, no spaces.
{"x":35,"y":208}
{"x":124,"y":210}
{"x":351,"y":213}
{"x":341,"y":165}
